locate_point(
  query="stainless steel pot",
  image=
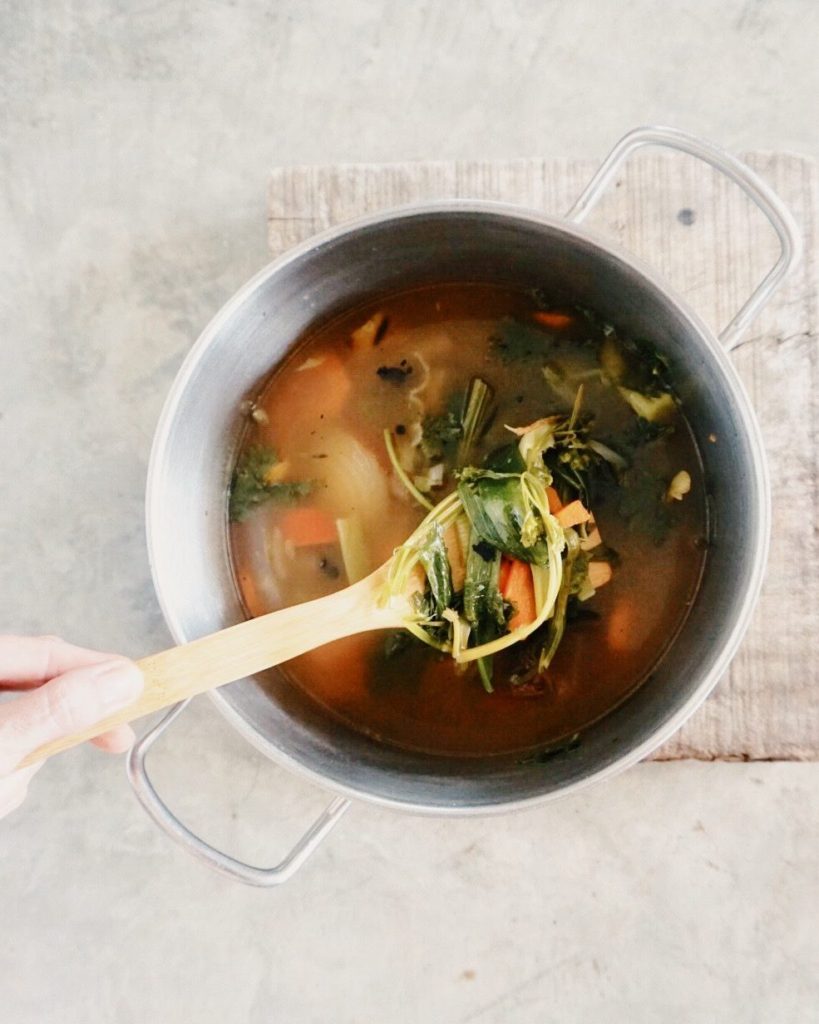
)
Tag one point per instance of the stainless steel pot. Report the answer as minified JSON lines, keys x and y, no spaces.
{"x":435,"y":242}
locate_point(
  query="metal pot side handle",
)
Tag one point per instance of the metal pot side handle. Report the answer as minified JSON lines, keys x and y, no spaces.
{"x":221,"y":862}
{"x":753,"y":186}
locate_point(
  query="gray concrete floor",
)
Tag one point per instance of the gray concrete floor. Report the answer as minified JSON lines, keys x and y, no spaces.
{"x":135,"y":141}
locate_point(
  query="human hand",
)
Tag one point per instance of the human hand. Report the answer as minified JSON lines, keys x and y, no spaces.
{"x":63,"y":689}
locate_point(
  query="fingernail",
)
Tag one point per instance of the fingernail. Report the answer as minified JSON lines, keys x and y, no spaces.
{"x":121,"y":682}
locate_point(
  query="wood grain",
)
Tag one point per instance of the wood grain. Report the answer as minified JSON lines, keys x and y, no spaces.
{"x":767,"y":706}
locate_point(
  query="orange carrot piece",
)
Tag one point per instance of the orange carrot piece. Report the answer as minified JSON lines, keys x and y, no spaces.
{"x":503,"y":575}
{"x":520,"y":592}
{"x":592,"y":541}
{"x":555,"y":504}
{"x":599,"y":574}
{"x":557,"y":321}
{"x":308,"y":526}
{"x":573,"y":514}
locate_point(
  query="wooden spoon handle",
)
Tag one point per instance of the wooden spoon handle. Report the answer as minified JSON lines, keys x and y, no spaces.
{"x":240,"y":651}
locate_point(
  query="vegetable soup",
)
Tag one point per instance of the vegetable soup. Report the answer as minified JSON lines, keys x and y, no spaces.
{"x":531,"y":473}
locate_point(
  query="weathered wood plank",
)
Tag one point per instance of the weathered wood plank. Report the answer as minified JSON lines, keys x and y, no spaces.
{"x":768,"y":704}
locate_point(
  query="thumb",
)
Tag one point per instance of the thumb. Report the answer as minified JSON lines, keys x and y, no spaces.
{"x":67,"y":704}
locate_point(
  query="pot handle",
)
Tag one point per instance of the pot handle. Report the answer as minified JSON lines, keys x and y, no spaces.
{"x":753,"y":186}
{"x":221,"y":862}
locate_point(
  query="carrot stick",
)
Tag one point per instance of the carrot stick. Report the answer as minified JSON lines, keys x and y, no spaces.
{"x":305,"y":527}
{"x":555,"y":504}
{"x":573,"y":514}
{"x":520,"y":592}
{"x":503,"y":575}
{"x":557,"y":321}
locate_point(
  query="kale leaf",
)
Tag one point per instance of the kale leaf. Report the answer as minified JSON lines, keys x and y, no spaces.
{"x":251,"y":484}
{"x":440,"y":435}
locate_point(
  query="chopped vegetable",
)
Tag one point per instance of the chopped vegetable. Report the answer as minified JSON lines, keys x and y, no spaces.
{"x":555,"y":504}
{"x":354,"y":479}
{"x":573,"y":514}
{"x":308,"y":526}
{"x":483,"y":603}
{"x":612,"y":457}
{"x":434,"y":477}
{"x":433,"y":557}
{"x":502,"y":512}
{"x":611,"y":360}
{"x":557,"y":321}
{"x":354,"y":549}
{"x":256,"y":480}
{"x":680,"y":486}
{"x":568,"y":585}
{"x":402,"y":474}
{"x":369,"y":333}
{"x":475,"y":416}
{"x":636,"y":365}
{"x":456,"y":556}
{"x":519,"y":591}
{"x":656,"y":409}
{"x":440,"y":433}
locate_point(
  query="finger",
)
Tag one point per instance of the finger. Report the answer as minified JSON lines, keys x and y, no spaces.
{"x":36,"y":659}
{"x":13,"y":790}
{"x":70,"y":703}
{"x":116,"y":740}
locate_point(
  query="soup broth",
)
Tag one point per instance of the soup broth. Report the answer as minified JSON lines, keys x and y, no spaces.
{"x":336,"y":507}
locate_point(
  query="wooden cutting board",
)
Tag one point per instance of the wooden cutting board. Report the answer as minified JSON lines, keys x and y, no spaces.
{"x":712,"y":245}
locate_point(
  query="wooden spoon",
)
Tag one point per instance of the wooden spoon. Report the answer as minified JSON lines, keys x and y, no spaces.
{"x":246,"y":648}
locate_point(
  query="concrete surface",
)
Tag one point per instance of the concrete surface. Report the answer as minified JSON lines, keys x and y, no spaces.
{"x":135,"y":141}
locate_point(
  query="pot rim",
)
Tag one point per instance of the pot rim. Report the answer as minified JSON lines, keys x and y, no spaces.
{"x":650,"y":277}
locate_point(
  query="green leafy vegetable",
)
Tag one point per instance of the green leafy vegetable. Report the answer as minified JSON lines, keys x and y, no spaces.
{"x":440,"y":435}
{"x":498,"y":509}
{"x":557,"y":624}
{"x":453,"y":434}
{"x":253,"y":483}
{"x":641,"y":374}
{"x":475,"y":416}
{"x":483,"y":603}
{"x":433,"y":557}
{"x":506,"y":459}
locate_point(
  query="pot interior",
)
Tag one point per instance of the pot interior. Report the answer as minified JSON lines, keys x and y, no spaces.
{"x":200,"y":428}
